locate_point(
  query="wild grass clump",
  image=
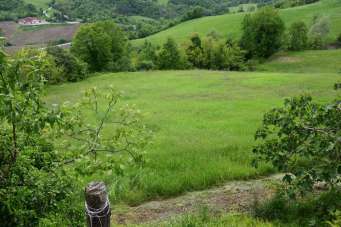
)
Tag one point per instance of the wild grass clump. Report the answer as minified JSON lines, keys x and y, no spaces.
{"x":313,"y":210}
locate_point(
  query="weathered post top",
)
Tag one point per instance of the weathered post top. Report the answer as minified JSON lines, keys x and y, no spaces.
{"x":97,"y":205}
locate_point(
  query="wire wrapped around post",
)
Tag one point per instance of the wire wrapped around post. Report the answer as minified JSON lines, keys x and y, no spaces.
{"x":97,"y":205}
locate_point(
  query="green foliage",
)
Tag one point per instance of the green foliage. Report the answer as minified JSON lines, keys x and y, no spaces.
{"x":170,"y":56}
{"x":262,"y":33}
{"x":303,"y":139}
{"x":314,"y":210}
{"x":229,"y":56}
{"x":147,"y":57}
{"x":195,"y":51}
{"x":32,"y":181}
{"x":215,"y":55}
{"x":318,"y":33}
{"x":44,"y":150}
{"x":339,"y":38}
{"x":102,"y":45}
{"x":298,"y":36}
{"x":72,"y":69}
{"x":14,"y":9}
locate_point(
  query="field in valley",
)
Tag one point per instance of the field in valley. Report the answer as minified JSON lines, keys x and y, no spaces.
{"x":25,"y":36}
{"x":204,"y":121}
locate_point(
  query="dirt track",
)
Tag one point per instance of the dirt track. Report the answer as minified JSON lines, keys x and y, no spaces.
{"x":234,"y":196}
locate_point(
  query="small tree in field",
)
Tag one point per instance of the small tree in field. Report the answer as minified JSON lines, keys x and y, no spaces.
{"x":194,"y":51}
{"x":262,"y":33}
{"x":303,"y":138}
{"x":102,"y":45}
{"x":298,"y":36}
{"x":170,"y":56}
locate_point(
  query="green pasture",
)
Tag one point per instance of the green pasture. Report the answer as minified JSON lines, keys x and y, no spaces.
{"x":204,"y":121}
{"x":314,"y":61}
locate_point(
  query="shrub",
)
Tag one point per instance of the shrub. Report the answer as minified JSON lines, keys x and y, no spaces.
{"x":229,"y":56}
{"x":310,"y":211}
{"x":102,"y":46}
{"x":298,"y":36}
{"x":339,"y":38}
{"x":72,"y":68}
{"x":318,"y":32}
{"x":170,"y":56}
{"x":262,"y":33}
{"x":302,"y":138}
{"x":194,"y":51}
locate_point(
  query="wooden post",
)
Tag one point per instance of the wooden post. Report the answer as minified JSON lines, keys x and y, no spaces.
{"x":97,"y":206}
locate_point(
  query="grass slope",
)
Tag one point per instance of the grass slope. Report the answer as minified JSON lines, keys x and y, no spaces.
{"x":326,"y":61}
{"x":204,"y":121}
{"x":39,"y":3}
{"x":231,"y":23}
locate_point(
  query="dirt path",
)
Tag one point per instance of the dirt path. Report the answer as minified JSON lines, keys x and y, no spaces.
{"x":236,"y":196}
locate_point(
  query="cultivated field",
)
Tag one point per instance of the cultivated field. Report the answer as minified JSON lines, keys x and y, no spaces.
{"x":21,"y":36}
{"x":230,"y":24}
{"x":204,"y":121}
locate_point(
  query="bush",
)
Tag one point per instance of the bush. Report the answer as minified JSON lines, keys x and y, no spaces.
{"x":310,"y":211}
{"x":72,"y":68}
{"x":318,"y":33}
{"x":339,"y":38}
{"x":262,"y":33}
{"x":102,"y":45}
{"x":298,"y":36}
{"x":229,"y":56}
{"x":170,"y":56}
{"x":302,"y":139}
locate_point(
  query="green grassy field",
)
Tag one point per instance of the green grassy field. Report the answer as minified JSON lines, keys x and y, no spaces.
{"x":204,"y":121}
{"x":231,"y":23}
{"x":326,"y":61}
{"x":39,"y":3}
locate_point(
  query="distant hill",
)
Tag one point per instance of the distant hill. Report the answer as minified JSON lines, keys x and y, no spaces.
{"x":231,"y":23}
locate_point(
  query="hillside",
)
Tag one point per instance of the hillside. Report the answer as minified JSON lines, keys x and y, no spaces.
{"x":38,"y":3}
{"x":21,"y":36}
{"x":314,"y":61}
{"x":231,"y":23}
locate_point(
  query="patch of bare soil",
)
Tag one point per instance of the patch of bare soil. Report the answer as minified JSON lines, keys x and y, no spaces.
{"x":287,"y":59}
{"x":235,"y":196}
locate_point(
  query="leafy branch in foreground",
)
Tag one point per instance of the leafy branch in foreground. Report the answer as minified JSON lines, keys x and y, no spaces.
{"x":303,"y":138}
{"x":36,"y":185}
{"x":115,"y":137}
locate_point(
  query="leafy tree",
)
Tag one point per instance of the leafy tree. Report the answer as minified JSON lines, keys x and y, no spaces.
{"x":147,"y":57}
{"x":43,"y":150}
{"x":72,"y":68}
{"x":229,"y":56}
{"x":298,"y":36}
{"x":319,"y":32}
{"x":170,"y":56}
{"x":31,"y":184}
{"x":262,"y":33}
{"x":102,"y":45}
{"x":303,"y":139}
{"x":194,"y":51}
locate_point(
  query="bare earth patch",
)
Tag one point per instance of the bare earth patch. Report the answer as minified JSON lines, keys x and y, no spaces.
{"x":235,"y":196}
{"x":287,"y":59}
